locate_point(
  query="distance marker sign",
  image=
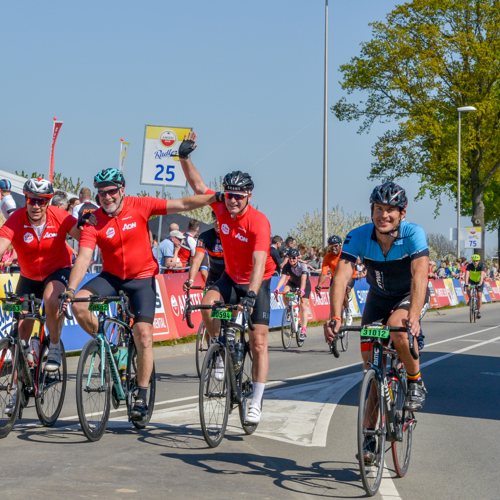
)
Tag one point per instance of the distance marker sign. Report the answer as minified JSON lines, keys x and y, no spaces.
{"x":160,"y":163}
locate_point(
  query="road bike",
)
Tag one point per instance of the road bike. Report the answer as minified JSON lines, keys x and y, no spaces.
{"x":226,"y":373}
{"x":473,"y":303}
{"x":342,"y":336}
{"x":22,"y":368}
{"x":382,"y":416}
{"x":107,"y":369}
{"x":290,"y":322}
{"x":202,"y":337}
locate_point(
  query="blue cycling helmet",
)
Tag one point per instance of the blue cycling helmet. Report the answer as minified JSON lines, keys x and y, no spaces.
{"x":109,"y":177}
{"x":5,"y":184}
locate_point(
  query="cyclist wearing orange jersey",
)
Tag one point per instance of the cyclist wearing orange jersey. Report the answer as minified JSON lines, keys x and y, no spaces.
{"x":330,"y":264}
{"x":38,"y":234}
{"x":122,"y":235}
{"x":246,"y":238}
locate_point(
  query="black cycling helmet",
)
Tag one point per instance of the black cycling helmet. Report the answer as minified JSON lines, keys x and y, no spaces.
{"x":335,"y":240}
{"x":238,"y":181}
{"x":109,"y":177}
{"x":293,"y":252}
{"x":39,"y":187}
{"x":389,"y":193}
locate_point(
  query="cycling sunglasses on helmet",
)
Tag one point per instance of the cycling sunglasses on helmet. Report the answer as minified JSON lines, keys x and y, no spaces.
{"x":236,"y":196}
{"x":41,"y":202}
{"x":111,"y":192}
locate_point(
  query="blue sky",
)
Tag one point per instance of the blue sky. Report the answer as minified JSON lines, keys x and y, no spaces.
{"x":247,"y":76}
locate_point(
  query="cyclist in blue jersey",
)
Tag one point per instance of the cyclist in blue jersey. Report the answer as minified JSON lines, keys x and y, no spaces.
{"x":396,"y":257}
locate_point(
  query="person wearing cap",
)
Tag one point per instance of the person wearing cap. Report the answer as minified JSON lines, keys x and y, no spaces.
{"x":121,"y":232}
{"x":173,"y":260}
{"x":474,"y":275}
{"x":8,"y":204}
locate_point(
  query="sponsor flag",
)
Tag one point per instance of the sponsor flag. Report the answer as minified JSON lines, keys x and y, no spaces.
{"x":55,"y":132}
{"x":123,"y":155}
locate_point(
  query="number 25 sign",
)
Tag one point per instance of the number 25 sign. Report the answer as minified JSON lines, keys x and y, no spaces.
{"x":160,"y":163}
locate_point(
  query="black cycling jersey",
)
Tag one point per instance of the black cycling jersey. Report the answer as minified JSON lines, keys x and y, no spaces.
{"x":209,"y":241}
{"x":86,"y":208}
{"x":295,"y":273}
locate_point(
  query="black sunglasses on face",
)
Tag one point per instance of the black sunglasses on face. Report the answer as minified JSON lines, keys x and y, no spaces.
{"x":110,"y":192}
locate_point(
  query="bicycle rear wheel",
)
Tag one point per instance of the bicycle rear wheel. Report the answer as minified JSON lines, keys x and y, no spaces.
{"x":401,"y":449}
{"x":93,"y":391}
{"x":7,"y":368}
{"x":214,"y":396}
{"x":132,"y":384}
{"x":51,"y":387}
{"x":286,"y":329}
{"x":371,"y":433}
{"x":246,"y":387}
{"x":202,"y":344}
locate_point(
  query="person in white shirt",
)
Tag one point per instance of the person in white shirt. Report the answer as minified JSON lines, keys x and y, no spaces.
{"x":85,"y":204}
{"x":8,"y":204}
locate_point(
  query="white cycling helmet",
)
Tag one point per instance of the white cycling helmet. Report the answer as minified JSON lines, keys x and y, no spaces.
{"x":39,"y":187}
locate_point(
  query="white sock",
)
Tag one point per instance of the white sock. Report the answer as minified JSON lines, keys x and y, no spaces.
{"x":258,"y":394}
{"x":54,"y":346}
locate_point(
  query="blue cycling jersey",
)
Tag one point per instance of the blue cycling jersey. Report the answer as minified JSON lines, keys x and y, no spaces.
{"x":388,"y":276}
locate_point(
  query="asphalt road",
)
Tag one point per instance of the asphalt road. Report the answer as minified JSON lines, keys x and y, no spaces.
{"x":306,"y":443}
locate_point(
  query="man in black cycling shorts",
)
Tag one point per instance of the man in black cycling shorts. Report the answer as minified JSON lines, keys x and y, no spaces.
{"x":246,"y":238}
{"x":396,"y":257}
{"x":122,"y":235}
{"x":209,"y":243}
{"x":298,"y":278}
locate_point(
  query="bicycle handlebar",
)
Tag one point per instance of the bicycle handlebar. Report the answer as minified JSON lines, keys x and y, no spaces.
{"x":214,"y":306}
{"x":411,"y":339}
{"x":121,"y":297}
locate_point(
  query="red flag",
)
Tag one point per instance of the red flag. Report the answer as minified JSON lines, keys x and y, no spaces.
{"x":55,"y":133}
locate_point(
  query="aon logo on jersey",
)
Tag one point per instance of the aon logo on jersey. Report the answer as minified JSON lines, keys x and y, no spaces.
{"x":128,"y":226}
{"x":241,"y":238}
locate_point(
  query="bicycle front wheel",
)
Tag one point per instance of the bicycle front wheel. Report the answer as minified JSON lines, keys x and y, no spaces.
{"x":405,"y":420}
{"x":51,"y":388}
{"x":9,"y":408}
{"x":286,"y":328}
{"x":246,"y":387}
{"x":214,"y":396}
{"x":132,"y":384}
{"x":93,"y":391}
{"x":371,"y":433}
{"x":202,"y":344}
{"x":471,"y":310}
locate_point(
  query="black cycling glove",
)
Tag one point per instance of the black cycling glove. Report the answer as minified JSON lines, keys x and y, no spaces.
{"x":248,"y":300}
{"x":186,"y":148}
{"x":83,"y":219}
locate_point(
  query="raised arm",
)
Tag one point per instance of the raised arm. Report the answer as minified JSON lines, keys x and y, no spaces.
{"x":189,"y":203}
{"x":190,"y":171}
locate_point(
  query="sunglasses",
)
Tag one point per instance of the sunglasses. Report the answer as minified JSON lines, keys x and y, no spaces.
{"x":41,"y":202}
{"x":110,"y":192}
{"x":237,"y":196}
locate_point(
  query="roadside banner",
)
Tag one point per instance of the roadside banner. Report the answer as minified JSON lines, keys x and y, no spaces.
{"x":8,"y":283}
{"x":486,"y":293}
{"x":450,"y":288}
{"x":441,"y":293}
{"x":492,"y":290}
{"x":55,"y":132}
{"x":434,"y":301}
{"x":458,"y":291}
{"x":160,"y":161}
{"x":361,"y":288}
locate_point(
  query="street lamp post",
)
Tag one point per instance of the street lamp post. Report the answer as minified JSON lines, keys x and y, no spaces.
{"x":325,"y":137}
{"x":464,"y":109}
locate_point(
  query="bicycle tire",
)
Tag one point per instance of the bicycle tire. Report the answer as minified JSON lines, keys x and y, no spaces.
{"x":132,"y":384}
{"x":93,"y":412}
{"x":202,"y":345}
{"x":475,"y":308}
{"x":471,"y":309}
{"x":214,"y":396}
{"x":401,"y":449}
{"x":286,"y":329}
{"x":8,"y":362}
{"x":371,"y":474}
{"x":245,"y":385}
{"x":51,"y":388}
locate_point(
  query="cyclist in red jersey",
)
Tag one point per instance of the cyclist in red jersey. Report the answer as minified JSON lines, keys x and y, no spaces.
{"x":122,"y":235}
{"x":38,"y":234}
{"x":246,"y":238}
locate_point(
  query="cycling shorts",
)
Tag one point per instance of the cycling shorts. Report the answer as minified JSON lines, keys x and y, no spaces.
{"x":378,"y":309}
{"x":141,"y":293}
{"x":232,"y":292}
{"x":213,"y":277}
{"x":25,"y":286}
{"x":307,"y":289}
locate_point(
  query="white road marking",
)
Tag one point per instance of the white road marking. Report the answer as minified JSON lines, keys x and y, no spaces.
{"x":496,"y":374}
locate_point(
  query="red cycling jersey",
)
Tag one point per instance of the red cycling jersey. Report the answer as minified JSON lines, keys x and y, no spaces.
{"x":40,"y":258}
{"x":124,"y":239}
{"x":240,"y":237}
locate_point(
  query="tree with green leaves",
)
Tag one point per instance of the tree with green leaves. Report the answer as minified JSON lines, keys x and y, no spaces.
{"x":429,"y":58}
